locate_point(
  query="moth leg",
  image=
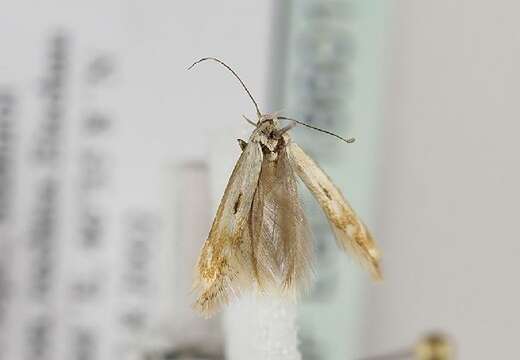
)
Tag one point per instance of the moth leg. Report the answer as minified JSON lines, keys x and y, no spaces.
{"x":242,"y":144}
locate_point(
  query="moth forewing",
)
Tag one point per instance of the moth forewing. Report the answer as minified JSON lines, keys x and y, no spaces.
{"x":224,"y":265}
{"x":350,"y":232}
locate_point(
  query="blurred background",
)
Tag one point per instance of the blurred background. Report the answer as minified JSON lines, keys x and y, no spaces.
{"x":113,"y":158}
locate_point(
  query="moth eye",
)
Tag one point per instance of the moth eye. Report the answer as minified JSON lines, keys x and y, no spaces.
{"x":327,"y":193}
{"x":237,"y":203}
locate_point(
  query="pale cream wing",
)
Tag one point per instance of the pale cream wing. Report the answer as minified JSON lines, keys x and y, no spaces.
{"x":350,"y":232}
{"x":280,"y":236}
{"x":224,"y":264}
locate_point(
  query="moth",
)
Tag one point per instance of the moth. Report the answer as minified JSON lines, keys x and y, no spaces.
{"x":260,"y":239}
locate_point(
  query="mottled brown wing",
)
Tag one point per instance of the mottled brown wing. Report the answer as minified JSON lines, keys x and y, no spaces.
{"x":281,"y":250}
{"x":224,"y":264}
{"x":350,"y":232}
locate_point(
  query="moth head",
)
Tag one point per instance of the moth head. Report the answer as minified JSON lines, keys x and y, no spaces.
{"x":268,"y":119}
{"x":269,"y":125}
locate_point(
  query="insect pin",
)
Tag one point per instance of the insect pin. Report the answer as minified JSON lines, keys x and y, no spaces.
{"x":260,"y":240}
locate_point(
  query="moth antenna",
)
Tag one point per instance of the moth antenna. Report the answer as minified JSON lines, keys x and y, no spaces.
{"x":235,"y":74}
{"x":349,"y":140}
{"x":249,"y":121}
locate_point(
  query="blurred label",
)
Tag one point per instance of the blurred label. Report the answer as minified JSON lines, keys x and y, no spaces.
{"x":78,"y":278}
{"x":6,"y":154}
{"x":6,"y":206}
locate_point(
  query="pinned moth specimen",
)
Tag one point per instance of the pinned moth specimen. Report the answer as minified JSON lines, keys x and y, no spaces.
{"x":260,"y":239}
